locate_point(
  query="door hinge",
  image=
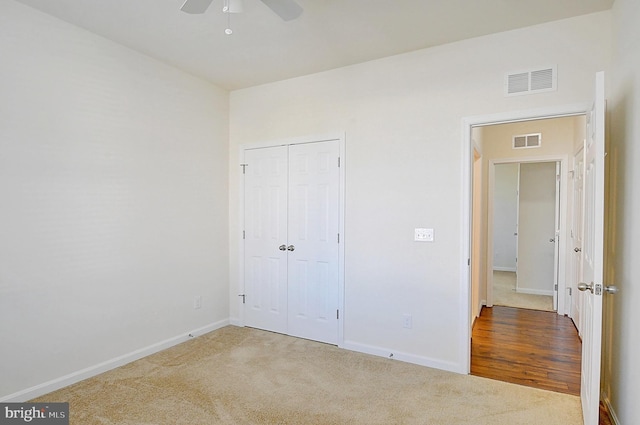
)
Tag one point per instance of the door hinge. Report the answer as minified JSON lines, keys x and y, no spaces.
{"x":338,"y":314}
{"x":468,"y":261}
{"x":570,"y":291}
{"x":338,"y":161}
{"x":244,"y":166}
{"x":243,"y":234}
{"x":243,"y":297}
{"x":338,"y":237}
{"x":555,"y":287}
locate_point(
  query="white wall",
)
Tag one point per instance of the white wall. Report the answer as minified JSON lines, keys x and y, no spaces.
{"x":621,"y":337}
{"x":505,"y":214}
{"x":114,"y":201}
{"x":402,"y":118}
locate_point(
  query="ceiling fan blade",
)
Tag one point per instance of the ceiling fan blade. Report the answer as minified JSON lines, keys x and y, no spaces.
{"x":196,"y":6}
{"x":286,"y":9}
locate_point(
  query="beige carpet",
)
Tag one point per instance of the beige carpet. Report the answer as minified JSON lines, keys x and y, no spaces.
{"x":246,"y":376}
{"x":504,"y":293}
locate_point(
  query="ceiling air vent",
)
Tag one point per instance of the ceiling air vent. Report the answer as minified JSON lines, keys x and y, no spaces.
{"x":532,"y":81}
{"x":524,"y":141}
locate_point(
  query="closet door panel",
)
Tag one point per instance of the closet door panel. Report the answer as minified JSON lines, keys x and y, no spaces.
{"x":313,"y":236}
{"x":266,"y":192}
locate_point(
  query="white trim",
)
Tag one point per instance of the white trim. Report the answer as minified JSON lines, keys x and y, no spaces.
{"x":504,"y":269}
{"x":292,"y":141}
{"x":80,"y":375}
{"x":534,"y":291}
{"x":612,"y":413}
{"x":341,"y":138}
{"x":401,"y":356}
{"x":467,"y":123}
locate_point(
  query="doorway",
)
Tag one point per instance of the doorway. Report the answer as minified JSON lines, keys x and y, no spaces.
{"x":494,"y":140}
{"x":525,"y":226}
{"x":556,"y":141}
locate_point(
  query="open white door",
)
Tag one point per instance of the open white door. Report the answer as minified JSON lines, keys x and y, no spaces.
{"x":592,"y":256}
{"x":577,"y":298}
{"x":556,"y":240}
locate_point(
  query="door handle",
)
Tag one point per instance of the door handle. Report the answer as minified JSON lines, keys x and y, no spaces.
{"x":282,"y":247}
{"x":552,"y":240}
{"x":576,"y":249}
{"x":585,"y":287}
{"x":291,"y":248}
{"x":612,"y":289}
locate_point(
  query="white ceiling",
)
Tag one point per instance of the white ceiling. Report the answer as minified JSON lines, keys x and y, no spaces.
{"x":329,"y":34}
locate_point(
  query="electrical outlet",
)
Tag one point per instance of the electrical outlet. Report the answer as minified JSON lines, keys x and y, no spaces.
{"x":197,"y":302}
{"x":407,"y":321}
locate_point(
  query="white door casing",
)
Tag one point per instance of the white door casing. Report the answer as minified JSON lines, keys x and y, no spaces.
{"x":592,"y":255}
{"x":291,"y":250}
{"x":468,"y":123}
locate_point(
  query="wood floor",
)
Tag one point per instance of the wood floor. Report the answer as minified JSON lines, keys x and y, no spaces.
{"x":528,"y":347}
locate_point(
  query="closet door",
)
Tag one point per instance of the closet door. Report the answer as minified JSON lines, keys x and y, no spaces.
{"x":265,"y":225}
{"x":313,"y":240}
{"x":291,"y":239}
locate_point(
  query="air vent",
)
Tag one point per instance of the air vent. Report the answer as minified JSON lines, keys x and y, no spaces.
{"x":524,"y":141}
{"x":532,"y":81}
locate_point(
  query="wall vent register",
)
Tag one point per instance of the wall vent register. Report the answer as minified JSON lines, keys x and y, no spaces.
{"x":531,"y":81}
{"x":524,"y":141}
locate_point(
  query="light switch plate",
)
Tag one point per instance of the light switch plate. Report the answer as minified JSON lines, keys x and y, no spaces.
{"x":423,"y":235}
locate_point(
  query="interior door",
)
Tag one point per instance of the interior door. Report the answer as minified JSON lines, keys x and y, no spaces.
{"x":556,"y":240}
{"x":313,"y":240}
{"x":291,"y":256}
{"x":265,"y":222}
{"x":577,"y":297}
{"x":536,"y":228}
{"x":592,"y":255}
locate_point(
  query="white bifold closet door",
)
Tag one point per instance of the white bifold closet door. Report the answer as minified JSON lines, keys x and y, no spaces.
{"x":291,"y":239}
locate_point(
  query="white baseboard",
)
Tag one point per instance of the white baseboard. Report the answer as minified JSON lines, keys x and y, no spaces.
{"x":612,"y":413}
{"x":236,"y":322}
{"x":80,"y":375}
{"x":534,"y":291}
{"x":405,"y":357}
{"x":504,"y":269}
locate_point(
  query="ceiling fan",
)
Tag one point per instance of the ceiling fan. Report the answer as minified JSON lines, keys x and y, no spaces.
{"x":285,"y":9}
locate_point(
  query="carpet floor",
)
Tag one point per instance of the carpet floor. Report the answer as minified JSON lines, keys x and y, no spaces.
{"x":246,"y":376}
{"x":504,"y":294}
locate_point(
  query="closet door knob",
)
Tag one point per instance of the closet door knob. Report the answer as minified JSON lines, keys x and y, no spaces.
{"x":282,"y":247}
{"x":291,"y":248}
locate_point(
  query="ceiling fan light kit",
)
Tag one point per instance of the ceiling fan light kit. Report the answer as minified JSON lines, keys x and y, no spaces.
{"x":287,"y":10}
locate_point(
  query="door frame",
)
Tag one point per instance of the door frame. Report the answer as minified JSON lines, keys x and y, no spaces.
{"x":466,"y":192}
{"x":560,"y":268}
{"x":341,"y":138}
